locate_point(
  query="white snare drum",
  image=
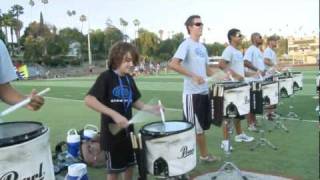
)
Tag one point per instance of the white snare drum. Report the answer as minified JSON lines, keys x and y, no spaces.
{"x":285,"y":86}
{"x":270,"y":92}
{"x":170,"y":148}
{"x":236,"y":94}
{"x":25,"y":151}
{"x":297,"y":80}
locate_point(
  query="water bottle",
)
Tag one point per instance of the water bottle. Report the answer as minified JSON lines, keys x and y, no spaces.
{"x":73,"y":143}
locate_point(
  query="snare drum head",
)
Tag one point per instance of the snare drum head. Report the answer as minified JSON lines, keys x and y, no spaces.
{"x":17,"y":132}
{"x":169,"y":127}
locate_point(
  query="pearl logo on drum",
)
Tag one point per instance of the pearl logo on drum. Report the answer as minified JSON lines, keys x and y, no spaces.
{"x":186,"y":152}
{"x":13,"y":175}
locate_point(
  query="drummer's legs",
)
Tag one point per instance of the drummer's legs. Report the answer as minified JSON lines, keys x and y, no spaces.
{"x":202,"y":144}
{"x":128,"y":174}
{"x":112,"y":177}
{"x":252,"y":121}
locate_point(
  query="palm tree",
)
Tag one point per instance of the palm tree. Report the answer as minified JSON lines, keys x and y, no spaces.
{"x":6,"y":22}
{"x":16,"y":11}
{"x":109,"y":22}
{"x":83,"y":18}
{"x":161,"y":31}
{"x":17,"y":26}
{"x":124,"y":24}
{"x":31,"y":3}
{"x":136,"y":23}
{"x":44,"y":3}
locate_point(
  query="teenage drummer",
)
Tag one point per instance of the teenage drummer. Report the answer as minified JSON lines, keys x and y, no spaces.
{"x":232,"y":63}
{"x":113,"y":95}
{"x":254,"y":62}
{"x":191,"y":60}
{"x":7,"y":74}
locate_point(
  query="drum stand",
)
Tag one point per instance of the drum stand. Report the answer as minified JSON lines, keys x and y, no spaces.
{"x":263,"y":141}
{"x":229,"y":166}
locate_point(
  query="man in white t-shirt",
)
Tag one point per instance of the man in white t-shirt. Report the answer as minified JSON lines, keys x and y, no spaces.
{"x":191,"y":60}
{"x":232,"y":63}
{"x":269,"y":55}
{"x":7,"y":74}
{"x":253,"y":60}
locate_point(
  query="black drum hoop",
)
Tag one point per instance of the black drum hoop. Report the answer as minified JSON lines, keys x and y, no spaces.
{"x":4,"y":142}
{"x":145,"y":132}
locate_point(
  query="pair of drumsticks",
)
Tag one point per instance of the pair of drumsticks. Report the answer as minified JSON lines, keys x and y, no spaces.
{"x":138,"y":149}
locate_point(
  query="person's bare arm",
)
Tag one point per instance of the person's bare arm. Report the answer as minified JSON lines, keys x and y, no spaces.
{"x":93,"y":103}
{"x":249,"y":65}
{"x":225,"y":67}
{"x":11,"y":96}
{"x":154,"y":109}
{"x":175,"y":64}
{"x":268,"y":62}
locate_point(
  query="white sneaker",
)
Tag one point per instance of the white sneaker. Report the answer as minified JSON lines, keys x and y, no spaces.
{"x":243,"y":138}
{"x":252,"y":128}
{"x":224,"y":145}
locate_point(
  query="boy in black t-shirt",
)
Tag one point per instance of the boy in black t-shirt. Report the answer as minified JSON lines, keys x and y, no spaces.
{"x":113,"y":95}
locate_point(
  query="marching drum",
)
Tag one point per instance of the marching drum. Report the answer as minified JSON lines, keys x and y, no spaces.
{"x":285,"y":86}
{"x":297,"y":80}
{"x":25,"y":151}
{"x":229,"y":98}
{"x":169,"y":148}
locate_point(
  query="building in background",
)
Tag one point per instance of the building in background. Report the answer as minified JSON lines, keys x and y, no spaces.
{"x":302,"y":50}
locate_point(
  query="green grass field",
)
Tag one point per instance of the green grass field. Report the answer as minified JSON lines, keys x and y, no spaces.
{"x":297,"y":157}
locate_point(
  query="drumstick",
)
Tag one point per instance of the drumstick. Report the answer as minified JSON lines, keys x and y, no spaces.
{"x":140,"y":141}
{"x":22,"y":103}
{"x":133,"y":140}
{"x":230,"y":76}
{"x":161,"y":112}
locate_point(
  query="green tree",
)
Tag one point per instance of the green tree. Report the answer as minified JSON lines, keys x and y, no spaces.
{"x":215,"y":49}
{"x":112,"y":35}
{"x":148,"y":43}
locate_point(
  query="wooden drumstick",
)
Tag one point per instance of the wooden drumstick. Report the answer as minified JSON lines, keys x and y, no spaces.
{"x":133,"y":140}
{"x":140,"y":141}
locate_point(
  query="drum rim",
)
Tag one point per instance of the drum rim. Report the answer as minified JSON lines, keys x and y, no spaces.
{"x":159,"y":134}
{"x":237,"y":83}
{"x":18,"y":139}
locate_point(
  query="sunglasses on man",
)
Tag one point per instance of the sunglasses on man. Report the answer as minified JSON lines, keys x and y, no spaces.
{"x":198,"y":24}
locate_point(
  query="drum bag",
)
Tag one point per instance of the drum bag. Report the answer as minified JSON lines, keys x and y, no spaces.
{"x":218,"y":111}
{"x":256,"y":102}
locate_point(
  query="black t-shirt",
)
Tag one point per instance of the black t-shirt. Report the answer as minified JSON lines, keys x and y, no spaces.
{"x":118,"y":93}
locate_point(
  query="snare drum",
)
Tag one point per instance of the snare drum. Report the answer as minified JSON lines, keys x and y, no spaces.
{"x":297,"y":80}
{"x":270,"y":92}
{"x":170,"y":148}
{"x":25,"y":151}
{"x":285,"y":86}
{"x":236,"y":98}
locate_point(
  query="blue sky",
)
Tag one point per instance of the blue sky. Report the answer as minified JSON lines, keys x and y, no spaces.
{"x":293,"y":17}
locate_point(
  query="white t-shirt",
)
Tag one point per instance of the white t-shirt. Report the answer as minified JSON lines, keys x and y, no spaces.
{"x":271,"y":55}
{"x":194,"y":58}
{"x":7,"y":72}
{"x":254,"y":55}
{"x":235,"y":59}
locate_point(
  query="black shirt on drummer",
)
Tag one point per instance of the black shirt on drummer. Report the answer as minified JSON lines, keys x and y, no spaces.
{"x":113,"y":95}
{"x":107,"y":89}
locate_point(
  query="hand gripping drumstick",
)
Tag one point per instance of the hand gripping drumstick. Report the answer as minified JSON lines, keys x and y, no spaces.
{"x":22,"y":103}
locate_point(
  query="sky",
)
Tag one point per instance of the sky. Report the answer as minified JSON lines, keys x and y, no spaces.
{"x":284,"y":17}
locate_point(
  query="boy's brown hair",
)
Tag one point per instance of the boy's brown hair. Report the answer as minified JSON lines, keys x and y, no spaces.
{"x":118,"y":51}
